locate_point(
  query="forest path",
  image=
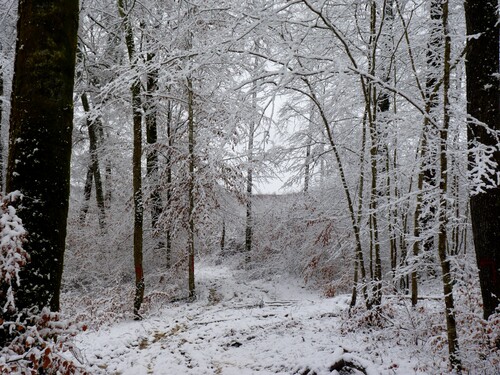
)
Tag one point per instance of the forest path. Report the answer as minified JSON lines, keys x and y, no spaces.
{"x":236,"y":326}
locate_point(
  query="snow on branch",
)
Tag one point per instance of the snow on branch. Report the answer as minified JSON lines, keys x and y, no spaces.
{"x":12,"y":255}
{"x":483,"y":172}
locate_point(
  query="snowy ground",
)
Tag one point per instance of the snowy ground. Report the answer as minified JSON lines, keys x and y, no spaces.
{"x":273,"y":326}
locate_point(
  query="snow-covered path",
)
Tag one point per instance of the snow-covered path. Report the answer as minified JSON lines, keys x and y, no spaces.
{"x":235,"y":327}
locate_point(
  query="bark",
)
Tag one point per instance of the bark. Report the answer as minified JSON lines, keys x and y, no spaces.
{"x":428,"y":149}
{"x":138,"y":203}
{"x":168,"y":236}
{"x":483,"y":105}
{"x":307,"y":162}
{"x":307,"y":167}
{"x":41,"y":124}
{"x":403,"y":213}
{"x":152,"y":156}
{"x":135,"y":90}
{"x":430,"y":132}
{"x":87,"y":192}
{"x":223,"y":237}
{"x":108,"y":180}
{"x":1,"y":116}
{"x":443,"y":206}
{"x":376,"y":146}
{"x":417,"y":231}
{"x":94,"y":169}
{"x":192,"y":286}
{"x":249,"y":216}
{"x":392,"y":215}
{"x":250,"y":151}
{"x":359,"y":266}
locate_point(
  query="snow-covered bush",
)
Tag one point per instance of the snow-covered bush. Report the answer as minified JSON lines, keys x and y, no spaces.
{"x":42,"y":344}
{"x":12,"y":255}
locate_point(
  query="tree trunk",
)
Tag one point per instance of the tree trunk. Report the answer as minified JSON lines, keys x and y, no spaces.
{"x":1,"y":116}
{"x":250,"y":151}
{"x":192,"y":161}
{"x":152,"y":156}
{"x":138,"y":203}
{"x":307,"y":162}
{"x":483,"y":105}
{"x":136,"y":165}
{"x":168,"y":235}
{"x":87,"y":193}
{"x":249,"y":216}
{"x":359,"y":264}
{"x":93,"y":168}
{"x":41,"y":124}
{"x":223,"y":237}
{"x":417,"y":230}
{"x":425,"y":212}
{"x":443,"y":205}
{"x":430,"y":147}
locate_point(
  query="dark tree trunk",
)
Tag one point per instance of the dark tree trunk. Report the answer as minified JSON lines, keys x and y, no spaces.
{"x":168,"y":161}
{"x":152,"y":156}
{"x":87,"y":192}
{"x":135,"y":90}
{"x":138,"y":202}
{"x":191,"y":145}
{"x":223,"y":237}
{"x":451,"y":325}
{"x":94,"y":169}
{"x":1,"y":116}
{"x":483,"y":104}
{"x":41,"y":125}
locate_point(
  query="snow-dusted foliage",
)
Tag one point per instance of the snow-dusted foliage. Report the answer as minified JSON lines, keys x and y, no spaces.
{"x":483,"y":173}
{"x":12,"y":255}
{"x":35,"y":343}
{"x":42,"y":345}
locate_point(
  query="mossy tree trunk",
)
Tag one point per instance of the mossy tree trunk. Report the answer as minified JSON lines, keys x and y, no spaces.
{"x":41,"y":124}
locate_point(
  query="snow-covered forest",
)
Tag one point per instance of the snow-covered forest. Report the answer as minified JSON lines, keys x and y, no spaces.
{"x":250,"y":187}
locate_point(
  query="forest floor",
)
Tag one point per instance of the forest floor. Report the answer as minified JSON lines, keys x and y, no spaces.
{"x":262,"y":326}
{"x":236,"y":326}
